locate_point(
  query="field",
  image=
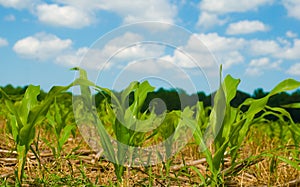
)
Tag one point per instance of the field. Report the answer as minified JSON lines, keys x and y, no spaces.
{"x":63,"y":140}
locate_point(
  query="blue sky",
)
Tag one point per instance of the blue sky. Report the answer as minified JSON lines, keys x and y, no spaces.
{"x":181,"y":44}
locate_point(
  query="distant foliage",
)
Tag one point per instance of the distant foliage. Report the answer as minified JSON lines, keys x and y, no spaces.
{"x":173,"y":98}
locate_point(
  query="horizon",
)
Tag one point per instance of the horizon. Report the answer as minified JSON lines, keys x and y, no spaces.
{"x":251,"y":94}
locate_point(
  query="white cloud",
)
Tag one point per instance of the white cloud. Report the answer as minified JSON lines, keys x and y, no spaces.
{"x":9,"y":17}
{"x":41,"y":46}
{"x":92,"y":59}
{"x":226,"y":49}
{"x":153,"y":10}
{"x":3,"y":42}
{"x":208,"y":20}
{"x":231,"y":51}
{"x":230,"y":59}
{"x":117,"y":52}
{"x":264,"y":47}
{"x":193,"y":54}
{"x":65,"y":16}
{"x":203,"y":48}
{"x":257,"y":67}
{"x":129,"y":47}
{"x":72,"y":58}
{"x":217,"y":43}
{"x":291,"y":34}
{"x":19,"y":4}
{"x":291,"y":53}
{"x":188,"y":59}
{"x":78,"y":13}
{"x":294,"y":69}
{"x":246,"y":27}
{"x":292,"y":7}
{"x":280,"y":49}
{"x":132,"y":11}
{"x":229,"y":6}
{"x":211,"y":10}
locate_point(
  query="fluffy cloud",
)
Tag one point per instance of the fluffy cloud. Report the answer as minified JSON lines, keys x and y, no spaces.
{"x":228,"y":6}
{"x":201,"y":50}
{"x":65,"y":16}
{"x":217,"y":43}
{"x":208,"y":20}
{"x":19,"y":4}
{"x":291,"y":34}
{"x":226,"y":49}
{"x":292,"y":7}
{"x":72,"y":58}
{"x":131,"y":11}
{"x":294,"y":69}
{"x":41,"y":46}
{"x":257,"y":67}
{"x":116,"y":52}
{"x":264,"y":47}
{"x":78,"y":13}
{"x":154,"y":10}
{"x":232,"y":50}
{"x":280,"y":49}
{"x":246,"y":27}
{"x":3,"y":42}
{"x":211,"y":10}
{"x":292,"y":52}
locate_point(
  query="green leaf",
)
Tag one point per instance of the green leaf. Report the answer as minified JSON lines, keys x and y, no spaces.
{"x":292,"y":105}
{"x":28,"y":102}
{"x":219,"y":156}
{"x":22,"y":152}
{"x":230,"y":86}
{"x":125,"y":93}
{"x":140,"y":95}
{"x":217,"y":116}
{"x":65,"y":135}
{"x":84,"y":84}
{"x":14,"y":127}
{"x":12,"y":109}
{"x":294,"y":164}
{"x":256,"y":105}
{"x":38,"y":113}
{"x":286,"y":85}
{"x":58,"y":118}
{"x":27,"y":135}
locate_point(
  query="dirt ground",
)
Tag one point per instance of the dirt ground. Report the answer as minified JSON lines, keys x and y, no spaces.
{"x":78,"y":165}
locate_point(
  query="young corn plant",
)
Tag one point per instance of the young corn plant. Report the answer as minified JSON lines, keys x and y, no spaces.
{"x":23,"y":118}
{"x":228,"y":126}
{"x":128,"y":122}
{"x":171,"y":130}
{"x":59,"y":120}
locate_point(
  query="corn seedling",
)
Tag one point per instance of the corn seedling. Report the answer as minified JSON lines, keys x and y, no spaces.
{"x":58,"y":119}
{"x":23,"y":118}
{"x":228,"y":126}
{"x":126,"y":118}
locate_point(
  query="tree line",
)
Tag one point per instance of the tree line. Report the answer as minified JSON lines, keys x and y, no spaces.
{"x":173,"y":99}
